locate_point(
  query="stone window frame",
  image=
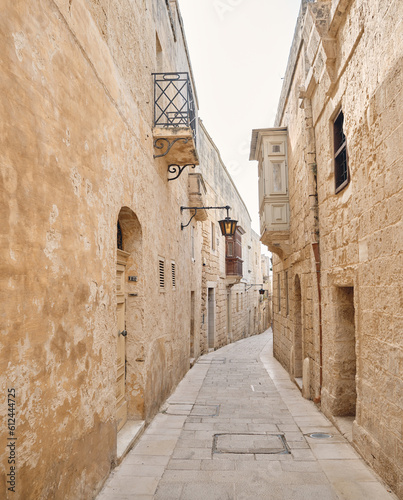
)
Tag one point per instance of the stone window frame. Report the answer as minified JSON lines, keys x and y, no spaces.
{"x":340,"y":153}
{"x":171,"y":18}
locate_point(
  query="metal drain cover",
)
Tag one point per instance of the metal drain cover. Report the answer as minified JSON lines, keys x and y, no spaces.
{"x":320,"y":435}
{"x":250,"y":444}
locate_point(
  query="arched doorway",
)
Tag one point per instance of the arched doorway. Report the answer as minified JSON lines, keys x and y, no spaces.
{"x":129,"y":313}
{"x":298,"y":350}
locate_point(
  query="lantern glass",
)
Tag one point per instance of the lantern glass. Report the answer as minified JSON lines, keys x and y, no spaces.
{"x":228,"y":226}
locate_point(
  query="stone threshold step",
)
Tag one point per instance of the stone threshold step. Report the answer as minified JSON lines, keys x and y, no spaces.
{"x":127,"y":437}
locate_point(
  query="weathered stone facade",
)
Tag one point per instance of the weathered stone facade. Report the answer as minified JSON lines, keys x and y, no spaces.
{"x":337,"y":290}
{"x":94,"y":327}
{"x":238,"y":306}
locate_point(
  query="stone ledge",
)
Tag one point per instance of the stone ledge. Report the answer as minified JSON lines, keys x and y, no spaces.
{"x":127,"y":437}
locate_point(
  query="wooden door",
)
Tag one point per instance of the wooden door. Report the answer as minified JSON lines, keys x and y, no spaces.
{"x":121,"y":403}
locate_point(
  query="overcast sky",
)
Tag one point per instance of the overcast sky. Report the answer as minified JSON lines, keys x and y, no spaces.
{"x":239,"y":51}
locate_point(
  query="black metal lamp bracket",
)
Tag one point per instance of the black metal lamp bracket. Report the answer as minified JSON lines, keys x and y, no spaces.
{"x":227,"y":208}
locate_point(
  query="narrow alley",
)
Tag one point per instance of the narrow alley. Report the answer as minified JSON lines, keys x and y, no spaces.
{"x":238,"y":428}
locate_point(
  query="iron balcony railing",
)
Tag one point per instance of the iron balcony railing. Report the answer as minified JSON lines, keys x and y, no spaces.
{"x":174,"y":105}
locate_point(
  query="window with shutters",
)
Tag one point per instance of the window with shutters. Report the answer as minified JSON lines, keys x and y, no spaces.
{"x":173,"y":271}
{"x":161,"y":270}
{"x":341,"y":170}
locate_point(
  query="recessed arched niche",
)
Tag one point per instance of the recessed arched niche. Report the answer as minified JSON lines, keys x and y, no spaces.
{"x":129,"y":249}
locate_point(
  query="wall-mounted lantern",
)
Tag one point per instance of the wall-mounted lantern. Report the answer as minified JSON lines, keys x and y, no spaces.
{"x":227,"y":225}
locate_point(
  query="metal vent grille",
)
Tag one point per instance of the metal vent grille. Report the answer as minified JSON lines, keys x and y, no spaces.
{"x":161,"y":268}
{"x":173,"y":274}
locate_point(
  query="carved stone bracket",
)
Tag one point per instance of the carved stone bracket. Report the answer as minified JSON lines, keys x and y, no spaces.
{"x":163,"y":143}
{"x":177,"y":169}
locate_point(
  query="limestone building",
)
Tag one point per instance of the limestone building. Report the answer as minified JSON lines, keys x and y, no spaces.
{"x":104,"y":297}
{"x":331,"y":204}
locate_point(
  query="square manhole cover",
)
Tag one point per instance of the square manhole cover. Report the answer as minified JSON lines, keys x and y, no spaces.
{"x":250,"y":443}
{"x":205,"y":410}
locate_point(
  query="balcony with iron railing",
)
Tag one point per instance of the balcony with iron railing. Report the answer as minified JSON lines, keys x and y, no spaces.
{"x":175,"y":119}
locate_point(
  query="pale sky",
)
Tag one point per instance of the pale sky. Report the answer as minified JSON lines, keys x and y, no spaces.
{"x":239,"y":51}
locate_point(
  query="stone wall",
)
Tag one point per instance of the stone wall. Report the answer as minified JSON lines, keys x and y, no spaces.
{"x":76,"y":158}
{"x":347,"y":54}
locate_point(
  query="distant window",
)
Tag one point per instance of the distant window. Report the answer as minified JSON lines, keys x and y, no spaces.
{"x":171,"y":18}
{"x":212,"y":236}
{"x":276,"y":148}
{"x":341,"y":170}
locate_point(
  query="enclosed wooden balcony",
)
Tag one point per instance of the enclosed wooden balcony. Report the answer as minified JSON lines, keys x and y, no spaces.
{"x":269,"y":148}
{"x":233,"y":258}
{"x":175,"y":119}
{"x":233,"y":266}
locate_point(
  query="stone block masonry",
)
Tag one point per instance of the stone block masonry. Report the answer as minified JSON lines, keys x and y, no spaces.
{"x":346,"y":58}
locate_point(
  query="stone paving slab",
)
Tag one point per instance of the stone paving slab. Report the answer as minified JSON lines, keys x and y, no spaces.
{"x":242,"y":394}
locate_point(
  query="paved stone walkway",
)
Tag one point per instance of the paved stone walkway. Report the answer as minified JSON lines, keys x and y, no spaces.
{"x":237,"y":428}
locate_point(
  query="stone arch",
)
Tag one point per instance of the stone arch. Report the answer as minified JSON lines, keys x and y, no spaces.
{"x":131,"y":237}
{"x":297,"y":334}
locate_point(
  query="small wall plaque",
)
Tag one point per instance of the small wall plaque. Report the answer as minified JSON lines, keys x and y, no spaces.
{"x":132,"y":278}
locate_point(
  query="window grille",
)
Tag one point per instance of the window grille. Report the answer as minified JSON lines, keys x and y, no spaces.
{"x":161,"y":268}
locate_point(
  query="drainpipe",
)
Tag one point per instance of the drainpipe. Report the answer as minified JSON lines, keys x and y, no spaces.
{"x":310,"y":158}
{"x":316,"y":252}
